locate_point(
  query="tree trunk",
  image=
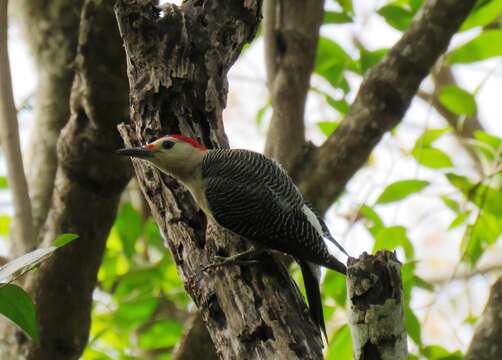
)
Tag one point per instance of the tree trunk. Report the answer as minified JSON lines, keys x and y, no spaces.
{"x":88,"y":184}
{"x":177,"y":66}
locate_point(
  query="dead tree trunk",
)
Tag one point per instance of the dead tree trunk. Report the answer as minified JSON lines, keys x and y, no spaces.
{"x":178,"y":60}
{"x":376,"y":315}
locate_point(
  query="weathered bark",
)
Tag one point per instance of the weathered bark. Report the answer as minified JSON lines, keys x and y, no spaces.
{"x":381,"y":102}
{"x":22,"y":232}
{"x":376,"y":315}
{"x":51,"y":30}
{"x":177,"y":66}
{"x":486,"y":344}
{"x":291,"y":35}
{"x":88,"y":184}
{"x":195,"y":341}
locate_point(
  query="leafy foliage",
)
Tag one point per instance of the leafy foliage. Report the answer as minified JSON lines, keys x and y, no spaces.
{"x":16,"y":305}
{"x":141,"y":304}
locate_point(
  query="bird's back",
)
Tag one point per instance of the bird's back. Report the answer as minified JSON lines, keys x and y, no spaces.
{"x":253,"y":196}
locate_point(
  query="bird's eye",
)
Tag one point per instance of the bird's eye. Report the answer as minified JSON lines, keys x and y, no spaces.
{"x":167,"y":144}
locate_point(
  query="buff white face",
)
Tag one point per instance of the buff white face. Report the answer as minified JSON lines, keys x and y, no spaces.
{"x":173,"y":154}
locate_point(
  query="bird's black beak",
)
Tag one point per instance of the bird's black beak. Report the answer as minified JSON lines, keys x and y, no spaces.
{"x":138,"y":152}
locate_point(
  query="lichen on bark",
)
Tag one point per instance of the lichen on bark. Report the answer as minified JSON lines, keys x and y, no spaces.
{"x":376,"y":315}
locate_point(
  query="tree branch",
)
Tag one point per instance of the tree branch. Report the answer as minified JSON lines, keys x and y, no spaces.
{"x":177,"y":67}
{"x":381,"y":102}
{"x":291,"y":35}
{"x":486,"y":344}
{"x":89,"y":181}
{"x":22,"y":231}
{"x":376,"y":315}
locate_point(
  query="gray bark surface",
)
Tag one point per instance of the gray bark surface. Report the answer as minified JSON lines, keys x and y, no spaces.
{"x":291,"y":31}
{"x":88,"y":184}
{"x":486,"y":343}
{"x":177,"y":66}
{"x":376,"y":315}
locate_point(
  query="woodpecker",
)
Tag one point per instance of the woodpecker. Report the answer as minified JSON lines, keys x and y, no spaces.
{"x":252,"y":196}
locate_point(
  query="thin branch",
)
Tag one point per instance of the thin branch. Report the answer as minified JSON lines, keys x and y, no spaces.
{"x":22,"y":232}
{"x":381,"y":102}
{"x":486,"y":344}
{"x":291,"y":31}
{"x":447,"y":277}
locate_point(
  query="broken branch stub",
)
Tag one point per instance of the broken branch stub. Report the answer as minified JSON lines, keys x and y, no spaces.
{"x":376,"y":315}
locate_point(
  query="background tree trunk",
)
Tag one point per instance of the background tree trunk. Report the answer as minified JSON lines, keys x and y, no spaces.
{"x":89,"y":180}
{"x":51,"y":30}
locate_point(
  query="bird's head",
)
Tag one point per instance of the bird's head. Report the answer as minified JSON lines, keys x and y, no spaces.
{"x":173,"y":154}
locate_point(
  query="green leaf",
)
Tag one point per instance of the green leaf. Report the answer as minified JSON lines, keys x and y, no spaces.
{"x":483,"y":196}
{"x":340,"y":345}
{"x":161,"y":334}
{"x":334,"y":286}
{"x":331,"y":62}
{"x":457,"y":100}
{"x":3,"y":182}
{"x":376,"y":222}
{"x":436,"y":352}
{"x":328,"y":127}
{"x":130,"y":227}
{"x":480,"y":235}
{"x":16,"y":305}
{"x":342,"y":106}
{"x":430,"y":136}
{"x":4,"y":225}
{"x":488,"y":44}
{"x":450,"y":203}
{"x":471,"y":319}
{"x":422,"y":284}
{"x":260,"y":115}
{"x":412,"y":325}
{"x":335,"y":17}
{"x":400,"y":190}
{"x":392,"y":237}
{"x":396,"y":16}
{"x":368,"y":59}
{"x":487,"y":144}
{"x":346,"y":6}
{"x":432,"y":157}
{"x":64,"y":239}
{"x":19,"y":266}
{"x":483,"y":14}
{"x":460,"y":219}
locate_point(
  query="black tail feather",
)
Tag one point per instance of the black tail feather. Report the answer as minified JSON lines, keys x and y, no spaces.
{"x":313,"y":291}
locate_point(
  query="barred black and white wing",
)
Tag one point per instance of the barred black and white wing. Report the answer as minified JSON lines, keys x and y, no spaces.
{"x":253,"y":196}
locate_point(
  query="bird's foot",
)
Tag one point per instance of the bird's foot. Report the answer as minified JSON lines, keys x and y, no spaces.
{"x":247,"y":257}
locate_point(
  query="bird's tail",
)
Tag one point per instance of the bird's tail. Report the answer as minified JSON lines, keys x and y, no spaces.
{"x":334,"y":264}
{"x":311,"y":276}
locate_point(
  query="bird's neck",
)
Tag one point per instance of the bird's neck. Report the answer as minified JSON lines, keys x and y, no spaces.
{"x":186,"y":169}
